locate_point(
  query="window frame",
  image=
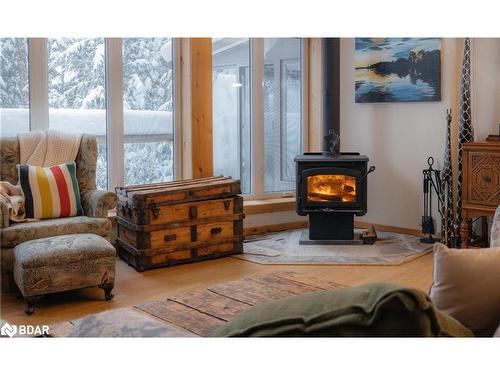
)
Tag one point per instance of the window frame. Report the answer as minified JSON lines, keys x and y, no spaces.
{"x":39,"y":117}
{"x":283,"y":70}
{"x":115,"y":141}
{"x":257,"y":117}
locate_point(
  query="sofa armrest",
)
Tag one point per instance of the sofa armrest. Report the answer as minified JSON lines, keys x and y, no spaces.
{"x":4,"y":214}
{"x":96,"y":203}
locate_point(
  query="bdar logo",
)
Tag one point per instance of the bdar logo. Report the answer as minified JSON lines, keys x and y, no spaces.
{"x":8,"y":330}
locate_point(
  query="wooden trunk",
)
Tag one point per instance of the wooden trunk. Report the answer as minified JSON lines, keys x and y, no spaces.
{"x":179,"y":222}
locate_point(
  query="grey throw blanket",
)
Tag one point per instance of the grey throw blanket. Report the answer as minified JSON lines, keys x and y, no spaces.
{"x":372,"y":310}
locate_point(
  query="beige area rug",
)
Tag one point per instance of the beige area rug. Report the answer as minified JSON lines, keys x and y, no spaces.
{"x":284,"y":248}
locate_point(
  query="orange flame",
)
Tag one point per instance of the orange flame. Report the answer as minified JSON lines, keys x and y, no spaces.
{"x":331,"y":188}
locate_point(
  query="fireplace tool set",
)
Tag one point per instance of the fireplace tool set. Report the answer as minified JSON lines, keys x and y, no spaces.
{"x":432,"y":182}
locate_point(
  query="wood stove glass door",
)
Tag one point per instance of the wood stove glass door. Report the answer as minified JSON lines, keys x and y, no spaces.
{"x":331,"y":186}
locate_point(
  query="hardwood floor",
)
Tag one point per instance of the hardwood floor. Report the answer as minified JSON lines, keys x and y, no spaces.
{"x":133,"y":287}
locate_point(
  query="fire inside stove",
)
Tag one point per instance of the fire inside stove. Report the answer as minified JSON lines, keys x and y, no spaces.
{"x":331,"y":188}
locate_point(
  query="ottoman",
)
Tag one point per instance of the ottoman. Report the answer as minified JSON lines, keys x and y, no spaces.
{"x":57,"y":264}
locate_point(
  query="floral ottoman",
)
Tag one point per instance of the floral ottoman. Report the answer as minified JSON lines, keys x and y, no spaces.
{"x":57,"y":264}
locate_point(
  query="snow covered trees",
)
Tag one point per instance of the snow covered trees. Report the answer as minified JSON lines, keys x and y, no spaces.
{"x":76,"y":72}
{"x":14,"y":87}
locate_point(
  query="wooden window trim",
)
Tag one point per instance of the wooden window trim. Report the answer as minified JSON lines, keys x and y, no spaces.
{"x":201,"y":107}
{"x":261,"y":206}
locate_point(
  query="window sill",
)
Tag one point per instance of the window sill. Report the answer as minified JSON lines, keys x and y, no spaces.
{"x":256,"y":206}
{"x":262,"y":206}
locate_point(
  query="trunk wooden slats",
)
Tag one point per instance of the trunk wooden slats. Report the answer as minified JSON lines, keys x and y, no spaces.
{"x":164,"y":224}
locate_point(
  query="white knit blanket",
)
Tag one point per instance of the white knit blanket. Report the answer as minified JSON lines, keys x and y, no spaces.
{"x":42,"y":149}
{"x":48,"y":148}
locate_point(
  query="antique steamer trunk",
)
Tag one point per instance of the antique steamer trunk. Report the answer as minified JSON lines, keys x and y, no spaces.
{"x":179,"y":222}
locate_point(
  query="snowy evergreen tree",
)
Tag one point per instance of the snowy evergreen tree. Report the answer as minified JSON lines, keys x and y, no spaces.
{"x":76,"y":73}
{"x":77,"y":82}
{"x":147,"y":74}
{"x":14,"y":86}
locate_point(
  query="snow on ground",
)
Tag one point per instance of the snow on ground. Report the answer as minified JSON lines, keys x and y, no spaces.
{"x":90,"y":121}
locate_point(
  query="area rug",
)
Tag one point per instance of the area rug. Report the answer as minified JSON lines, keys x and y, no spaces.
{"x":195,"y":313}
{"x":284,"y":248}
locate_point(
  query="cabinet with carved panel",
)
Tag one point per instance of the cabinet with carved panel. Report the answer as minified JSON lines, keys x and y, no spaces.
{"x":480,"y":183}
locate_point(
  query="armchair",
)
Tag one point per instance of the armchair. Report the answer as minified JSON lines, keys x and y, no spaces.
{"x":95,"y":203}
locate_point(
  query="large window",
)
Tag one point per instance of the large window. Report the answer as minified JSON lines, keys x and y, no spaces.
{"x":148,"y":110}
{"x":77,"y":92}
{"x":14,"y":86}
{"x":124,"y":91}
{"x":120,"y":90}
{"x":276,"y":139}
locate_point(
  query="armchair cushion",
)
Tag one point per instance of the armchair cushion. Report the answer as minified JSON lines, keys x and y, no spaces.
{"x":18,"y":233}
{"x":96,"y":203}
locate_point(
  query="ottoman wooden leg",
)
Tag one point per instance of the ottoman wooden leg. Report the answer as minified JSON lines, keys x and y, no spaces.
{"x":107,"y":291}
{"x":30,"y":304}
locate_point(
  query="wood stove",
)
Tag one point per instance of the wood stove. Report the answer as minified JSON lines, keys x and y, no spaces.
{"x":331,"y":190}
{"x":331,"y":186}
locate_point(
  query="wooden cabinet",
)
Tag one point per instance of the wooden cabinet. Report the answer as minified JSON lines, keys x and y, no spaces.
{"x":480,"y":183}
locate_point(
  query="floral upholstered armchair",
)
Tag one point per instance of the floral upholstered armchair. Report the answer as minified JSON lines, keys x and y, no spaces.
{"x":95,"y":203}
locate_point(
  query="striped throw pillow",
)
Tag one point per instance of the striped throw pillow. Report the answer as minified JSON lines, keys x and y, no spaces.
{"x":50,"y":192}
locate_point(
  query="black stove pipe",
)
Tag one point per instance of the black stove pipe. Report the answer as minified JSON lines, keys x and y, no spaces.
{"x":331,"y":90}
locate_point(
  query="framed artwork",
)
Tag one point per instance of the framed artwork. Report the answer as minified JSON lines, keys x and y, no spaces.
{"x":397,"y":70}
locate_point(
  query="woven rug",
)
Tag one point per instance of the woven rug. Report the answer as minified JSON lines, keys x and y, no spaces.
{"x":284,"y":248}
{"x":194,"y":313}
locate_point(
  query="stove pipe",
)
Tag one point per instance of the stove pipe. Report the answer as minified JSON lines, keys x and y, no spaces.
{"x":331,"y":93}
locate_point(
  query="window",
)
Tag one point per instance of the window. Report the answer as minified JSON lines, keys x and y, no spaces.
{"x":14,"y":86}
{"x":120,"y":90}
{"x":231,"y":109}
{"x":276,"y":137}
{"x":148,"y":110}
{"x":282,"y":112}
{"x":77,"y":92}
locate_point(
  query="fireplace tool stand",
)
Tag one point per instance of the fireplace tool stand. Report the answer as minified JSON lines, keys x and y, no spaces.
{"x":432,"y":182}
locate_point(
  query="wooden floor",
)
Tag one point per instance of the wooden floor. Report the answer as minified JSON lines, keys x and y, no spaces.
{"x":134,"y":288}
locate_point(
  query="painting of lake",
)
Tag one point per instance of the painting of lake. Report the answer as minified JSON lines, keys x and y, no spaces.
{"x":397,"y":70}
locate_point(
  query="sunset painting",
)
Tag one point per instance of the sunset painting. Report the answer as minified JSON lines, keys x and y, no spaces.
{"x":397,"y":70}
